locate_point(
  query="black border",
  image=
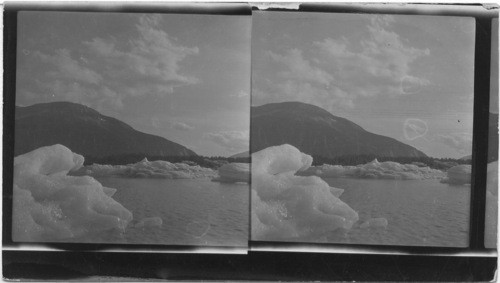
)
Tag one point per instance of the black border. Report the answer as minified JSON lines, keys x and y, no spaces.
{"x":228,"y":9}
{"x":259,"y":266}
{"x":480,"y":135}
{"x":83,"y":260}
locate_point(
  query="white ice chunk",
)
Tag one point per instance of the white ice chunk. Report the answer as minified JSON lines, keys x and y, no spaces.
{"x":233,"y":173}
{"x":48,"y":205}
{"x":289,"y":206}
{"x":458,"y":175}
{"x":376,"y":170}
{"x":47,"y":160}
{"x":148,"y":169}
{"x":280,"y":159}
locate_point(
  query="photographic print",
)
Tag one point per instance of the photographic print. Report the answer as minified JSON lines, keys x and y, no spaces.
{"x":132,"y":128}
{"x":361,"y":128}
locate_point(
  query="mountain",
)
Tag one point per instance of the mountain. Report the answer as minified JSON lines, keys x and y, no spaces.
{"x":316,"y":131}
{"x":85,"y":131}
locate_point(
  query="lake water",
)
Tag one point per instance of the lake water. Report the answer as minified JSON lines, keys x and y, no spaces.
{"x":194,"y":211}
{"x":419,"y":212}
{"x":200,"y":212}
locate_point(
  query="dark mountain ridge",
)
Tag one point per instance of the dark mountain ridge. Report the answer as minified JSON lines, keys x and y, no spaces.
{"x":316,"y":131}
{"x":85,"y":131}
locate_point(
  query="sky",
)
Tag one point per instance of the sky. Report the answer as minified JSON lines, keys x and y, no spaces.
{"x":408,"y":77}
{"x":183,"y":77}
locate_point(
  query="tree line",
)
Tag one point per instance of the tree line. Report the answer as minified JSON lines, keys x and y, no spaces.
{"x":215,"y":162}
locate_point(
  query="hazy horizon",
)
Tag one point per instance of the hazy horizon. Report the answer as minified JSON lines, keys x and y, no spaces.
{"x":182,"y":77}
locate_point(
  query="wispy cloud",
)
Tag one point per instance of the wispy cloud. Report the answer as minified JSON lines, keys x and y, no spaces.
{"x":152,"y":58}
{"x":231,"y":140}
{"x":335,"y":72}
{"x":65,"y":67}
{"x":378,"y":66}
{"x":181,"y":126}
{"x":104,"y":72}
{"x":296,"y":67}
{"x":239,"y":94}
{"x":461,"y":142}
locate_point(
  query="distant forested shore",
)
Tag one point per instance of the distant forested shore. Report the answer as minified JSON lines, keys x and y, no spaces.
{"x":215,"y":162}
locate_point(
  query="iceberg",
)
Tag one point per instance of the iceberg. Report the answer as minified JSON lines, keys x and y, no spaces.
{"x":376,"y":170}
{"x":287,"y":206}
{"x":458,"y":175}
{"x":234,"y":173}
{"x":148,"y":169}
{"x":49,"y":205}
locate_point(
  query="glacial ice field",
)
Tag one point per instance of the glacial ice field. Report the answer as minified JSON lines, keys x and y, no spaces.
{"x":382,"y":203}
{"x":156,"y":202}
{"x":142,"y":203}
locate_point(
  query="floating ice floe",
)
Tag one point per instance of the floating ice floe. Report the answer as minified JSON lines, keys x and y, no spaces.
{"x":148,"y":169}
{"x":286,"y":206}
{"x":49,"y":205}
{"x":458,"y":175}
{"x":376,"y":170}
{"x":234,"y":173}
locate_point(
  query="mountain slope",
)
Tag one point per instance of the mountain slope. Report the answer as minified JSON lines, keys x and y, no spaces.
{"x":85,"y":131}
{"x":315,"y":131}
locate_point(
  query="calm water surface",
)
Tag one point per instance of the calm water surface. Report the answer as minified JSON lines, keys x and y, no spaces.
{"x":194,"y":211}
{"x":419,"y":212}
